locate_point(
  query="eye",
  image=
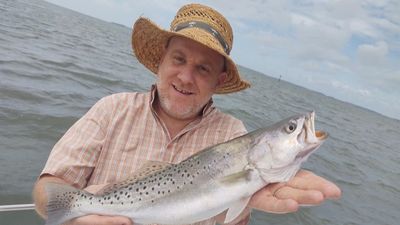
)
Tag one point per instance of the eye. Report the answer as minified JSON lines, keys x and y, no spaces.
{"x":204,"y":69}
{"x":178,"y":59}
{"x":291,"y":127}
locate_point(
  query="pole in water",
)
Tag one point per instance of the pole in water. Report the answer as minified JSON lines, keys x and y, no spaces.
{"x":19,"y":207}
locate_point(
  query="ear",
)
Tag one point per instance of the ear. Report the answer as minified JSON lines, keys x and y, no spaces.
{"x":221,"y":78}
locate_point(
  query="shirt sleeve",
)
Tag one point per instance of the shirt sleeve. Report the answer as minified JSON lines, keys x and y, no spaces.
{"x":238,"y":129}
{"x":74,"y":156}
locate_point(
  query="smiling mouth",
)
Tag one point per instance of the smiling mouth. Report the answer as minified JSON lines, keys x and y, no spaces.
{"x":182,"y":91}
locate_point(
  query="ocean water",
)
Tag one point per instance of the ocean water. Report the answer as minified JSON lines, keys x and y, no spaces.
{"x":56,"y":63}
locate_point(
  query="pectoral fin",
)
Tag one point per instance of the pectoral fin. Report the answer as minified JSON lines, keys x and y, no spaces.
{"x":235,"y":209}
{"x":236,"y":177}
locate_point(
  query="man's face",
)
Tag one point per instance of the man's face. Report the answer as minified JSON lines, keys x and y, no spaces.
{"x":188,"y":75}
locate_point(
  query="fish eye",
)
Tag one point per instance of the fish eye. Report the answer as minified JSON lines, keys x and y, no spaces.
{"x":291,"y":127}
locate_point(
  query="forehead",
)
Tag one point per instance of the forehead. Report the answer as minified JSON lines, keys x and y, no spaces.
{"x":194,"y":49}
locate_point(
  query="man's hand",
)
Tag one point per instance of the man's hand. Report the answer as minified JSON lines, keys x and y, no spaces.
{"x":100,"y":220}
{"x":305,"y":188}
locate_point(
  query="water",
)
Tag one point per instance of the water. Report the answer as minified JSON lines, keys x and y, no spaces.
{"x":56,"y":63}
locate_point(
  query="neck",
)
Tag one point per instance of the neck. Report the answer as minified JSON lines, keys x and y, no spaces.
{"x":174,"y":125}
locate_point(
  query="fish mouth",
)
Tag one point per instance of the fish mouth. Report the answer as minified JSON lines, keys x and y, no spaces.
{"x":310,"y":138}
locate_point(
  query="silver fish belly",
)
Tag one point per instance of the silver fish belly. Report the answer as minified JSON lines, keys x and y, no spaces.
{"x":222,"y":177}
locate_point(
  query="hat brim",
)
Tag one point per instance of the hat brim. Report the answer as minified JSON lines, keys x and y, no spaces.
{"x":149,"y":42}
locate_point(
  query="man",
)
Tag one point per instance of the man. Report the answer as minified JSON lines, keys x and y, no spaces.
{"x":171,"y":122}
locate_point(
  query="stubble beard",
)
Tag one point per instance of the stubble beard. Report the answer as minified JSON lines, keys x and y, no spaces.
{"x":178,"y":112}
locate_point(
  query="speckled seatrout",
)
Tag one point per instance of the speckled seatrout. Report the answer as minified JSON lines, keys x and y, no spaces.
{"x":222,"y":177}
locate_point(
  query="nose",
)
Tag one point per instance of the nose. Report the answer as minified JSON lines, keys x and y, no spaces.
{"x":186,"y":75}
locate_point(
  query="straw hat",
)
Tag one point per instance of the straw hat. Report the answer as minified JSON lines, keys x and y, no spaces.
{"x":197,"y":22}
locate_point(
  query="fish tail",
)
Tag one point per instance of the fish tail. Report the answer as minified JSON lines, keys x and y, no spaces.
{"x":62,"y":199}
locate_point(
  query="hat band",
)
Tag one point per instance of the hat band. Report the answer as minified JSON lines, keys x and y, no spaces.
{"x":205,"y":27}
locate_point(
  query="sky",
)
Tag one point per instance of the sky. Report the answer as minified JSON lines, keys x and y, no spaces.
{"x":346,"y":49}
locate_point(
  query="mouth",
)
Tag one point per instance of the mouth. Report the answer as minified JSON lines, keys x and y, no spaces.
{"x":311,"y":138}
{"x":182,"y":91}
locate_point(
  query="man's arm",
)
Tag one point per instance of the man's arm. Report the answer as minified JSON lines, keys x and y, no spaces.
{"x":40,"y":200}
{"x":39,"y":193}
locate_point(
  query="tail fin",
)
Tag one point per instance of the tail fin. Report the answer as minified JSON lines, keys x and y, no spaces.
{"x":62,"y":203}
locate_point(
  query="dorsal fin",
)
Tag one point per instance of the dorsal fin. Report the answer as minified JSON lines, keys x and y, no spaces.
{"x":149,"y":168}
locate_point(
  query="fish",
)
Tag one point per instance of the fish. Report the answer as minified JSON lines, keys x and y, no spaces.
{"x":218,"y":179}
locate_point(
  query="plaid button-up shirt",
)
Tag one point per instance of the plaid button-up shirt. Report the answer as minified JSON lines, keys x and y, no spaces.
{"x":122,"y":131}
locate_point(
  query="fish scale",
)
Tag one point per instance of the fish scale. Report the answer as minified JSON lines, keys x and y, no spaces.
{"x":222,"y":177}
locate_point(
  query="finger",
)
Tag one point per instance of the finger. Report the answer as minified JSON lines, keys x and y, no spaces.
{"x":264,"y":200}
{"x":307,"y":180}
{"x":100,"y":220}
{"x":117,"y":220}
{"x":273,"y":205}
{"x":303,"y":197}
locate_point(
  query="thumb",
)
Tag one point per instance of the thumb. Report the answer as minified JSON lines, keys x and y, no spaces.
{"x":100,"y":220}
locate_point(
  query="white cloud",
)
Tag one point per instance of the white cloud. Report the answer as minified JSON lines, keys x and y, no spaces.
{"x":372,"y":55}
